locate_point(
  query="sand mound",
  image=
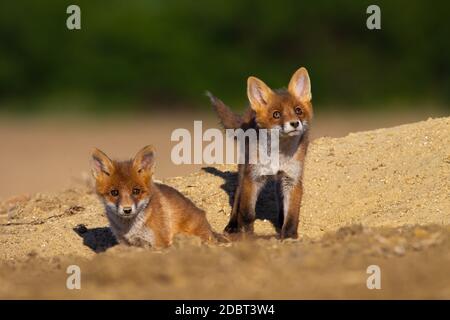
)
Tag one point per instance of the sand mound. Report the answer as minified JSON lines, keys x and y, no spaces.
{"x":381,"y":185}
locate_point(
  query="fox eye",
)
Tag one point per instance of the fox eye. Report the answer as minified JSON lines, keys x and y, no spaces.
{"x":114,"y":192}
{"x":136,"y":191}
{"x":277,"y":114}
{"x":298,"y":110}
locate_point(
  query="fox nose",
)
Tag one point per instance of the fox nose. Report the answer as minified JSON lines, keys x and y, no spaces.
{"x":295,"y":124}
{"x":127,"y":210}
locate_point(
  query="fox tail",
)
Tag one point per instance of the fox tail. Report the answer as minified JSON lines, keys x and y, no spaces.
{"x":228,"y":118}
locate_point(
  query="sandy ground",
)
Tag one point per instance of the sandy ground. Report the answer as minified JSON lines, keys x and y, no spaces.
{"x":377,"y":197}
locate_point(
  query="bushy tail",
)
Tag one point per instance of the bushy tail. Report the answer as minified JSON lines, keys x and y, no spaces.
{"x":228,"y":118}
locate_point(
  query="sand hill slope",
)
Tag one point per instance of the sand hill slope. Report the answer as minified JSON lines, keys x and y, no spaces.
{"x":380,"y":196}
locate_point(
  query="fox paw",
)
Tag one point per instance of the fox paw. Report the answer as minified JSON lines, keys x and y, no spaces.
{"x":231,"y":227}
{"x":289,"y":234}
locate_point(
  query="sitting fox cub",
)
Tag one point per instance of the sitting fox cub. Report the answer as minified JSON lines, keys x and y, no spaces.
{"x":140,"y":211}
{"x":290,"y":113}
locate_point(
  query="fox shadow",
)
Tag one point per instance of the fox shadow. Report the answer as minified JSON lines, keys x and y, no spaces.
{"x":266,"y":204}
{"x":97,"y":239}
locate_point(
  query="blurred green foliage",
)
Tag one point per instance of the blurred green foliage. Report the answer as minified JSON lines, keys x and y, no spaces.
{"x":153,"y":52}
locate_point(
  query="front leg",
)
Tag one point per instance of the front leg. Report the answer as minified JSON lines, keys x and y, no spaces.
{"x":292,"y":197}
{"x":249,"y":191}
{"x":232,"y":226}
{"x":279,"y":203}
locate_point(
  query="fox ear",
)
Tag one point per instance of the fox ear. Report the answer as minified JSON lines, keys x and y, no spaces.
{"x":101,"y":164}
{"x":144,"y":161}
{"x":258,"y":93}
{"x":300,"y":85}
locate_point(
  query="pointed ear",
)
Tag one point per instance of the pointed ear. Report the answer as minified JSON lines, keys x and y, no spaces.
{"x":101,"y":164}
{"x":258,"y":93}
{"x":300,"y":85}
{"x":144,"y":161}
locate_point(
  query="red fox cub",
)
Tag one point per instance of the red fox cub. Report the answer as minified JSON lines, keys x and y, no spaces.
{"x":140,"y":211}
{"x":290,"y":113}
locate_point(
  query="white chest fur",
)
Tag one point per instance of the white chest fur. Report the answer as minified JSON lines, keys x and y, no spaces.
{"x":288,"y":161}
{"x":131,"y":231}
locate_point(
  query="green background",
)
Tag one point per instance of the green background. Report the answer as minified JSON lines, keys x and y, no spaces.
{"x":148,"y":53}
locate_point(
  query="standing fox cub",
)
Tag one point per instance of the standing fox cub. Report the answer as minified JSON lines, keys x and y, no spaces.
{"x":140,"y":211}
{"x":290,"y":113}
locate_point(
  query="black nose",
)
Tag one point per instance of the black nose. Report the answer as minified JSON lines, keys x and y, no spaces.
{"x":295,"y":124}
{"x":127,"y":210}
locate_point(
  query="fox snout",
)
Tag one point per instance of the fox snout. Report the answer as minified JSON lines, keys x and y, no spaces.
{"x":293,"y":127}
{"x":126,"y":209}
{"x":122,"y":204}
{"x":126,"y":205}
{"x":294,"y":124}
